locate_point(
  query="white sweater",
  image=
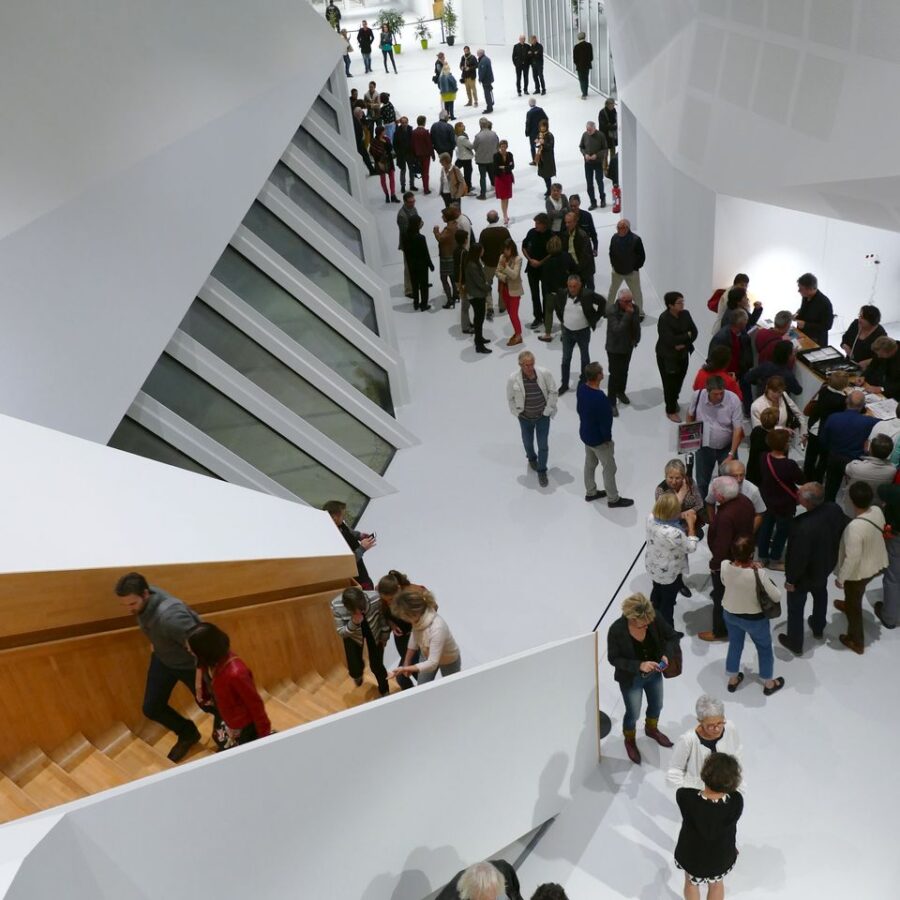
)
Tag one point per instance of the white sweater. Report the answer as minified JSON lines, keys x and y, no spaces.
{"x":862,"y":553}
{"x":689,"y":755}
{"x":740,"y":589}
{"x":436,"y":644}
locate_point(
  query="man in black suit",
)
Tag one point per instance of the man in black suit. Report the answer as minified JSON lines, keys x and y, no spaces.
{"x":536,"y":61}
{"x":815,"y":316}
{"x":578,"y":309}
{"x":520,"y":61}
{"x":812,"y":553}
{"x":578,"y":245}
{"x":533,"y":119}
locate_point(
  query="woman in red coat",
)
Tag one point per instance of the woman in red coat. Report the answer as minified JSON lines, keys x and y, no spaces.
{"x":231,"y":683}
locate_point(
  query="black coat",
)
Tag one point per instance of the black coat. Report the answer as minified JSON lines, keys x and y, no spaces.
{"x":520,"y":54}
{"x":593,"y":305}
{"x":365,"y":37}
{"x":673,"y":331}
{"x":723,"y":338}
{"x":626,"y":253}
{"x":468,"y":66}
{"x":608,"y":123}
{"x":418,"y":257}
{"x":886,"y":374}
{"x":583,"y":251}
{"x":555,"y":271}
{"x":533,"y":119}
{"x":621,"y":653}
{"x":536,"y":56}
{"x":402,"y":145}
{"x":513,"y":891}
{"x":817,"y":316}
{"x":812,"y":548}
{"x":583,"y":56}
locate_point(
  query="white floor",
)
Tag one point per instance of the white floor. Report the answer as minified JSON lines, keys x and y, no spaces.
{"x":513,"y":566}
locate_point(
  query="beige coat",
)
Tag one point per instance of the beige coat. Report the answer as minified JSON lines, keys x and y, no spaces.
{"x":862,"y":553}
{"x":511,"y":273}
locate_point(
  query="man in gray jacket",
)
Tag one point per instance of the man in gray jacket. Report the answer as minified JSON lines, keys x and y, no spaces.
{"x":486,"y":144}
{"x":166,"y":621}
{"x":358,"y":620}
{"x":623,"y":334}
{"x":593,"y":149}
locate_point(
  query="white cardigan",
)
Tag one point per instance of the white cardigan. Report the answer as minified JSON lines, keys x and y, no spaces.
{"x":689,"y":755}
{"x":740,"y":589}
{"x":862,"y":553}
{"x":435,"y":642}
{"x":762,"y":402}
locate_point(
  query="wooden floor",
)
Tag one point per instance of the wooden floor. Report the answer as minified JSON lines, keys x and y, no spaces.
{"x":40,"y":778}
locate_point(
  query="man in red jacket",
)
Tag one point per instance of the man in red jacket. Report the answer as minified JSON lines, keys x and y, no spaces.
{"x":423,"y":150}
{"x":733,"y":518}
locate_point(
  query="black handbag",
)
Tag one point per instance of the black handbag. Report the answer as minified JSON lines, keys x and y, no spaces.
{"x":771,"y":609}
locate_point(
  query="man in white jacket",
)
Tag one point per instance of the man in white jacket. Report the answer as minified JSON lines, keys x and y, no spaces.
{"x":532,"y":393}
{"x":862,"y":555}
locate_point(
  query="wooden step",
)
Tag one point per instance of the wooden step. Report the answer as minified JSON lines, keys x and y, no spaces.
{"x":135,"y":756}
{"x":92,"y":770}
{"x":324,"y":692}
{"x":282,"y":717}
{"x":46,"y":783}
{"x":162,"y":740}
{"x":305,"y":704}
{"x":14,"y":802}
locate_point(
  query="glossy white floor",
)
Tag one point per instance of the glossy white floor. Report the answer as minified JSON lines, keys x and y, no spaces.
{"x":514,"y":565}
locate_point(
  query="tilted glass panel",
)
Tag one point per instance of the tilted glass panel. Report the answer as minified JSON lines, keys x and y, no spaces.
{"x":240,"y":352}
{"x":282,"y":309}
{"x":306,"y":259}
{"x":320,"y":209}
{"x":134,"y":438}
{"x":326,"y":111}
{"x":322,"y":157}
{"x":189,"y":396}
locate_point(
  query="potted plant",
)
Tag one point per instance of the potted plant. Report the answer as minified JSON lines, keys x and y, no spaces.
{"x":449,"y":19}
{"x":422,"y":32}
{"x":395,"y":22}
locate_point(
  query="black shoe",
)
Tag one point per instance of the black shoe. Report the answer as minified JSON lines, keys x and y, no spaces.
{"x":783,"y":640}
{"x":412,"y":187}
{"x":482,"y":197}
{"x":816,"y":634}
{"x":536,"y":323}
{"x":468,"y":331}
{"x":415,"y":305}
{"x":448,"y":305}
{"x":599,"y":495}
{"x":602,"y":204}
{"x":395,"y":198}
{"x":425,"y":306}
{"x":615,"y":410}
{"x":543,"y":92}
{"x":543,"y":481}
{"x":183,"y":746}
{"x":358,"y":681}
{"x":593,"y":205}
{"x":641,"y":317}
{"x":879,"y":612}
{"x":490,"y":315}
{"x":624,"y":399}
{"x":618,"y":504}
{"x":532,"y":463}
{"x":483,"y":349}
{"x":387,"y":199}
{"x":685,"y":591}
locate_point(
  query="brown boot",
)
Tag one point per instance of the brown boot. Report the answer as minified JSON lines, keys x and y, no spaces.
{"x":631,"y":748}
{"x":652,"y":731}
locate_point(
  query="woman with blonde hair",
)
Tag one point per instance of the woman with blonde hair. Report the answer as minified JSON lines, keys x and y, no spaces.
{"x":448,"y":88}
{"x":639,"y":646}
{"x":465,"y":153}
{"x":671,"y":536}
{"x":678,"y":482}
{"x":430,"y":636}
{"x":388,"y":588}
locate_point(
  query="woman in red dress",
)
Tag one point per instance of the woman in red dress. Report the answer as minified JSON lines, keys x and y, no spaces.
{"x":504,"y":178}
{"x":227,"y":677}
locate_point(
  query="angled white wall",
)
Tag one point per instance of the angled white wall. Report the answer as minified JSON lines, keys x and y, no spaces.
{"x":136,"y":136}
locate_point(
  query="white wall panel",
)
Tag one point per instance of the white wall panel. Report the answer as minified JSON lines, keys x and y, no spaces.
{"x":136,"y":136}
{"x":385,"y":800}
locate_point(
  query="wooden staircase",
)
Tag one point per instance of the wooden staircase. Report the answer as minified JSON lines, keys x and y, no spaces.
{"x":36,"y":779}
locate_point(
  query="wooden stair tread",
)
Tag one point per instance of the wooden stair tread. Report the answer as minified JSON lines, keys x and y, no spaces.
{"x":14,"y":802}
{"x":92,"y":770}
{"x":282,"y":716}
{"x":308,"y":705}
{"x":135,"y":756}
{"x":45,"y":782}
{"x":162,"y":740}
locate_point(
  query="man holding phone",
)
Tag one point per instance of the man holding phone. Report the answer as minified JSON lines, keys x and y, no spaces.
{"x":357,"y":541}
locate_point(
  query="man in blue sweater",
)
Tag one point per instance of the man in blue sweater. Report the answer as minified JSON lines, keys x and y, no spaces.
{"x":844,"y":437}
{"x":595,"y":417}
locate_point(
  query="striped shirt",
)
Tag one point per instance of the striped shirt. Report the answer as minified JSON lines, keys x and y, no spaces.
{"x":535,"y":401}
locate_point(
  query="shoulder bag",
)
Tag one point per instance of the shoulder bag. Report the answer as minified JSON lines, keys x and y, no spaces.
{"x":789,"y":491}
{"x":771,"y":609}
{"x":676,"y":658}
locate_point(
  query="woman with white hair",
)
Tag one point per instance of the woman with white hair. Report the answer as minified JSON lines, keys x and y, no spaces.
{"x":694,"y":747}
{"x":430,"y":636}
{"x":492,"y":879}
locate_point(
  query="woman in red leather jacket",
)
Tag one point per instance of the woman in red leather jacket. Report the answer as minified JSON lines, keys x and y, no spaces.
{"x":231,"y":683}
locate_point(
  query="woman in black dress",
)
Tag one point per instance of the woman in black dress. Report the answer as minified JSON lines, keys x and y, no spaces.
{"x":707,"y":850}
{"x":419,"y":261}
{"x":862,"y":333}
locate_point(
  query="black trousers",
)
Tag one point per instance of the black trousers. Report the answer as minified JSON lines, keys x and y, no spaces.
{"x":465,"y":166}
{"x":671,"y":382}
{"x":618,"y":374}
{"x":663,"y":597}
{"x":537,"y":73}
{"x":404,"y":166}
{"x":593,"y":171}
{"x":718,"y":592}
{"x":534,"y":283}
{"x":419,"y":279}
{"x":364,"y":156}
{"x":354,"y":654}
{"x":479,"y":308}
{"x":401,"y":642}
{"x":816,"y":459}
{"x":487,"y":88}
{"x":834,"y":475}
{"x":161,"y":681}
{"x":520,"y":72}
{"x":485,"y":170}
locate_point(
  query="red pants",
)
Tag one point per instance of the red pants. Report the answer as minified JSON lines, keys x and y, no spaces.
{"x":384,"y":183}
{"x":512,"y":307}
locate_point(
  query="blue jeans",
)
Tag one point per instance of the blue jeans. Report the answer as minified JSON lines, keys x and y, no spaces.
{"x":541,"y":428}
{"x":796,"y":604}
{"x":449,"y":669}
{"x":652,"y":685}
{"x":706,"y":464}
{"x":582,"y":338}
{"x":761,"y":635}
{"x":772,"y":536}
{"x":367,"y":61}
{"x":347,"y":64}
